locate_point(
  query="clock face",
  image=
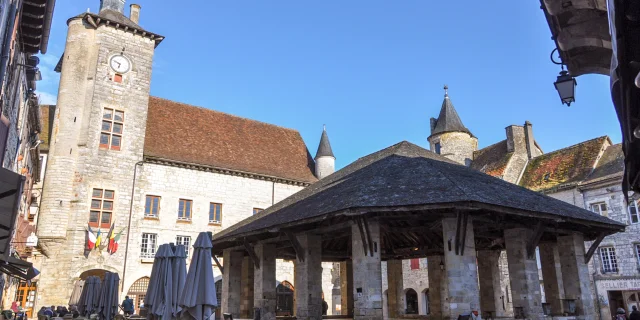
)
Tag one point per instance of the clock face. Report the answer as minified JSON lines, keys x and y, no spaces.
{"x":120,"y":64}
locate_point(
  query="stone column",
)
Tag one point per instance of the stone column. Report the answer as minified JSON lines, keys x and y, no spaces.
{"x":461,"y":292}
{"x":436,"y":281}
{"x":395,"y":290}
{"x":575,"y":274}
{"x":264,"y":281}
{"x":231,"y":289}
{"x":523,"y":273}
{"x":246,"y":283}
{"x":367,"y":274}
{"x":552,"y":276}
{"x":308,"y":278}
{"x":489,"y":276}
{"x":346,"y":288}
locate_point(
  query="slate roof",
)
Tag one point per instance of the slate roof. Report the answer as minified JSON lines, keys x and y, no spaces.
{"x":448,"y":120}
{"x":492,"y":160}
{"x":568,"y":165}
{"x":48,"y":113}
{"x":194,"y":135}
{"x":324,"y":148}
{"x":611,"y":164}
{"x":407,"y":175}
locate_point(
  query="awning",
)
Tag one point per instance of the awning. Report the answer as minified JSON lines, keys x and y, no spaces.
{"x":18,"y":268}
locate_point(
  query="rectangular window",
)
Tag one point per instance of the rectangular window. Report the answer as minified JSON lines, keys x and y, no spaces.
{"x":215,"y":213}
{"x":184,"y":209}
{"x":148,"y":245}
{"x":111,"y":131}
{"x":101,"y":208}
{"x":185,"y":241}
{"x":415,"y":264}
{"x":609,"y":261}
{"x":600,"y":208}
{"x":152,"y":206}
{"x":633,"y":212}
{"x":257,"y":210}
{"x":437,"y":147}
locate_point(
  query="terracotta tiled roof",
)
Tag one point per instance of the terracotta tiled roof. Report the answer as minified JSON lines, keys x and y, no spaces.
{"x":185,"y":133}
{"x":611,"y":164}
{"x":571,"y":164}
{"x":48,"y":113}
{"x":493,"y":159}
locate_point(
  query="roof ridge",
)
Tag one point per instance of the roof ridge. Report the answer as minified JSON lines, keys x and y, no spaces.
{"x":225,"y":113}
{"x":571,"y":146}
{"x":491,"y":145}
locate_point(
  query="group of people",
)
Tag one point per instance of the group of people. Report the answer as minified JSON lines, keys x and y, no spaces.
{"x":621,"y":314}
{"x":59,"y":311}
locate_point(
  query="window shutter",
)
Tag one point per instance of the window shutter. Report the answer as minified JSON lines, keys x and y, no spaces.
{"x":415,"y":264}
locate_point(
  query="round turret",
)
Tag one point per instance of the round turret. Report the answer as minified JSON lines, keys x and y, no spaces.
{"x":325,"y":160}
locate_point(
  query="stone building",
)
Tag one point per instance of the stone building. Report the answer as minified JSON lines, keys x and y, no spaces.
{"x":152,"y":170}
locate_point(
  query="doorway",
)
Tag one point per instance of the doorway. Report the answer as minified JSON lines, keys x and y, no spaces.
{"x":137,"y":292}
{"x":615,"y":301}
{"x":284,"y":299}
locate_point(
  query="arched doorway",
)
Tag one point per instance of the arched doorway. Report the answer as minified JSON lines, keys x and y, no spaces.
{"x":411,"y":297}
{"x":93,"y":272}
{"x":284,"y":299}
{"x":137,"y":292}
{"x":425,"y":298}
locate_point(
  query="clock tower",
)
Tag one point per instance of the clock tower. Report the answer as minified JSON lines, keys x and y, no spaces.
{"x":98,"y":139}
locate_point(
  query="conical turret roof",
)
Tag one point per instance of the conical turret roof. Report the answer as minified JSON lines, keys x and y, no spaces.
{"x":324,"y":148}
{"x":448,"y":120}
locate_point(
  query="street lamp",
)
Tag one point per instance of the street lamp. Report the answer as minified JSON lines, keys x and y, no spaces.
{"x":566,"y":87}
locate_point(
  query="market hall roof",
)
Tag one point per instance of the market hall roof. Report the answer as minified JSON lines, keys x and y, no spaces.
{"x":179,"y":132}
{"x":569,"y":165}
{"x":407,"y":177}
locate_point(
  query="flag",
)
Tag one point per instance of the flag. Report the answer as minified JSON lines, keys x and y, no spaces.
{"x":113,"y":243}
{"x":91,"y":238}
{"x":98,"y":238}
{"x":105,"y":240}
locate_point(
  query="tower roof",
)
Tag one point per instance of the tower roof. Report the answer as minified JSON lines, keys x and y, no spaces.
{"x":324,"y":148}
{"x":448,"y":120}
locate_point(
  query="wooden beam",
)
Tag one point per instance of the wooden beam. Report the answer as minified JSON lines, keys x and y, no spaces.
{"x":593,"y":247}
{"x":534,"y":240}
{"x":366,"y":229}
{"x":463,"y":243}
{"x":296,"y":246}
{"x":252,"y":254}
{"x":362,"y":236}
{"x":215,"y":259}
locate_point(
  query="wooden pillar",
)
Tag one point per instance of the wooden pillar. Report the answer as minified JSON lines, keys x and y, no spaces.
{"x":346,"y":288}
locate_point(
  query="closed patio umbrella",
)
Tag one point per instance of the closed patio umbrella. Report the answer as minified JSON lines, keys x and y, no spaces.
{"x":164,"y":297}
{"x":108,"y":303}
{"x":179,"y":269}
{"x":198,"y":298}
{"x":153,"y":283}
{"x":89,"y":296}
{"x":75,"y":294}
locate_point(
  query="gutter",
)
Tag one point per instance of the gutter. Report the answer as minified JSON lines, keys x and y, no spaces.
{"x":126,"y":248}
{"x":46,"y":26}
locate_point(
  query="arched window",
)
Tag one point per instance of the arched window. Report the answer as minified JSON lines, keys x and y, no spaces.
{"x":137,"y":292}
{"x":411,"y":297}
{"x":284,"y":299}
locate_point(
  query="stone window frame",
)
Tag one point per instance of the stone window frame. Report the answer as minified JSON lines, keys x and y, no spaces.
{"x":212,"y":219}
{"x":599,"y":202}
{"x":109,"y":131}
{"x":182,"y":213}
{"x":180,"y":240}
{"x":611,"y":256}
{"x":150,"y":214}
{"x":100,"y":198}
{"x":634,"y":204}
{"x":148,"y":246}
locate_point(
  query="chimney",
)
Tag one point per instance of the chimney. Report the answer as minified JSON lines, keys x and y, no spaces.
{"x":515,"y":139}
{"x":433,"y":124}
{"x":135,"y":13}
{"x":531,"y":143}
{"x":115,"y":5}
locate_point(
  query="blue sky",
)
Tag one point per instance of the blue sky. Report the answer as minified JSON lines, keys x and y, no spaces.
{"x":372,"y":71}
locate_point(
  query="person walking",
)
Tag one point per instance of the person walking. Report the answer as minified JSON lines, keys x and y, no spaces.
{"x":621,"y":314}
{"x":127,"y":306}
{"x":635,"y":314}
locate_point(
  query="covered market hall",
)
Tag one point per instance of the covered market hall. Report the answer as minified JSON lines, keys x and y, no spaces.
{"x":406,"y":202}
